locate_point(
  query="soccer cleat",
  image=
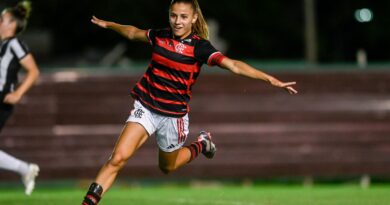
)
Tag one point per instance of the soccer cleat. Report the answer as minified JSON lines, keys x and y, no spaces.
{"x":29,"y":178}
{"x":209,"y":147}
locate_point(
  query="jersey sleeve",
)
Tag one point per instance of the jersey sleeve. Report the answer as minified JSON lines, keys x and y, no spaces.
{"x":19,"y":48}
{"x":151,"y":34}
{"x":207,"y":54}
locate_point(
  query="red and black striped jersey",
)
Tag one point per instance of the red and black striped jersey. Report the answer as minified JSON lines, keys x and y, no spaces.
{"x":166,"y":86}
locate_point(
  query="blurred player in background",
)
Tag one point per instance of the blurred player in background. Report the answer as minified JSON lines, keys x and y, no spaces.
{"x":163,"y":93}
{"x":13,"y":55}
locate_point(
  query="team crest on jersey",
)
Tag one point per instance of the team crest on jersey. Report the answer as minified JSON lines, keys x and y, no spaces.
{"x":180,"y":48}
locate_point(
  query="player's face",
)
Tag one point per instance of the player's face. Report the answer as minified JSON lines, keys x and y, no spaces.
{"x":6,"y":22}
{"x":181,"y":18}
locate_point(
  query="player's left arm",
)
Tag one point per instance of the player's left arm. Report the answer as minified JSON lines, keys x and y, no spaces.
{"x":242,"y":68}
{"x":29,"y":64}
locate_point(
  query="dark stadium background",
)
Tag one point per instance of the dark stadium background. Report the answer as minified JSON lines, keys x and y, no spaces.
{"x":262,"y":30}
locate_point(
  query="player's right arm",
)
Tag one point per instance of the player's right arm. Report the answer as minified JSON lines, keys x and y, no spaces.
{"x":128,"y":31}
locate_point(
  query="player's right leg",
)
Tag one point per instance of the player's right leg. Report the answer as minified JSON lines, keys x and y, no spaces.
{"x":131,"y":138}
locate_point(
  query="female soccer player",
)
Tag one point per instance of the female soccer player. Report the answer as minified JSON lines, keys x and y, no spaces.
{"x":13,"y":55}
{"x":162,"y":94}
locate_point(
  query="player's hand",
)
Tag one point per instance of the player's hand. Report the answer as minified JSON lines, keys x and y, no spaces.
{"x":287,"y":85}
{"x":12,"y":98}
{"x":99,"y":22}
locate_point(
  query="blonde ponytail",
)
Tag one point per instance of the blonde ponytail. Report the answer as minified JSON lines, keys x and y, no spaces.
{"x":200,"y":27}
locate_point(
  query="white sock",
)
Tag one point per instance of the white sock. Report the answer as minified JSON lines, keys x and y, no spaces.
{"x":10,"y":163}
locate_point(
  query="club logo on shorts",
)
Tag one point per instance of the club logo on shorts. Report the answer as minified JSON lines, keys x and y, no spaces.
{"x":138,"y":113}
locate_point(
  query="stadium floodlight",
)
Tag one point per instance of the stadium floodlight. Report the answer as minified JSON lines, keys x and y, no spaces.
{"x":364,"y":15}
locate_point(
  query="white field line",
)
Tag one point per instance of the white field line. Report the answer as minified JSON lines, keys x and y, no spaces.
{"x":200,"y":201}
{"x":216,"y":202}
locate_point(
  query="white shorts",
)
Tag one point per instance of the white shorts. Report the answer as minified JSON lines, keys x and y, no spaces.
{"x":170,"y":132}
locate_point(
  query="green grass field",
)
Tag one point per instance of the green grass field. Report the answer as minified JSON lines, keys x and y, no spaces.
{"x":224,"y":195}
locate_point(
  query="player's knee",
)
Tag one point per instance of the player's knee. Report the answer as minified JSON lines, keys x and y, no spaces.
{"x":166,"y":169}
{"x":117,"y":160}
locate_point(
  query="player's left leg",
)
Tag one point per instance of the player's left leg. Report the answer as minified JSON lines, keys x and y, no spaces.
{"x":130,"y":140}
{"x":28,"y":172}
